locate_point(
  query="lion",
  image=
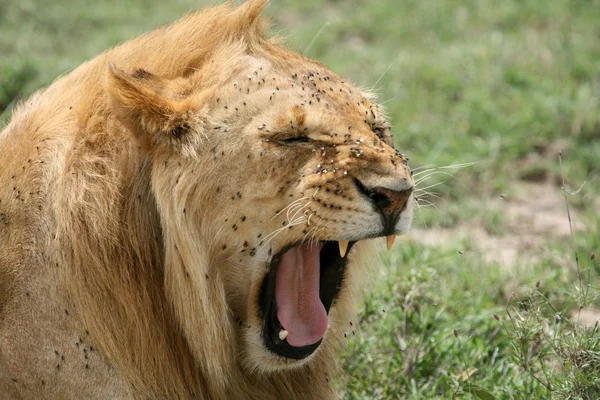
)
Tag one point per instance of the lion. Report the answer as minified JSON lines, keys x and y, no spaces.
{"x":190,"y":215}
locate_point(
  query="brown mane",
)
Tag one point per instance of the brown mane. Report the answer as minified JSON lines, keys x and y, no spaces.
{"x":115,"y":222}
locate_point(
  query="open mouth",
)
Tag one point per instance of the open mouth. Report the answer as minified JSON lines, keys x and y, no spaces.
{"x":303,"y":282}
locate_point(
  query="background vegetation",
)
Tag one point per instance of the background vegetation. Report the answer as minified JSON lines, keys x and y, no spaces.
{"x":485,"y":299}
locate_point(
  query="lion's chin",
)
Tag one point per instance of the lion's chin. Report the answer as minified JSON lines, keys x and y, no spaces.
{"x":295,"y":297}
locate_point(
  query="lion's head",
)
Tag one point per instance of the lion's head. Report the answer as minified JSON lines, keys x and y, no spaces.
{"x":210,"y":195}
{"x":268,"y":168}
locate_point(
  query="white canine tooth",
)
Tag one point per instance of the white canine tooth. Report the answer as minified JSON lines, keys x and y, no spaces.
{"x":390,"y":241}
{"x":343,"y":247}
{"x":283,"y":334}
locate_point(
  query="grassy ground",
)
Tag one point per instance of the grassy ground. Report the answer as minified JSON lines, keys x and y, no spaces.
{"x":493,"y":304}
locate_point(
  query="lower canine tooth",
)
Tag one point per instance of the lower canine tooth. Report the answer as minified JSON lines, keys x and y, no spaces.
{"x":283,"y":334}
{"x":343,"y":247}
{"x":390,"y":241}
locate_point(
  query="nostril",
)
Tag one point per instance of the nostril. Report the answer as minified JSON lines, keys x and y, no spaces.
{"x":381,"y":200}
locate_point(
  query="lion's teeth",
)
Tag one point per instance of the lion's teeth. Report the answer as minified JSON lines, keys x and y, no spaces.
{"x":343,"y":247}
{"x":390,"y":241}
{"x":283,"y":334}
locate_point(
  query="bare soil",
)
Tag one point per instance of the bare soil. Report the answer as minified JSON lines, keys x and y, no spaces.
{"x":532,"y":216}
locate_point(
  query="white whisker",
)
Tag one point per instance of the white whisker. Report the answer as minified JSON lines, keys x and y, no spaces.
{"x":432,"y":186}
{"x":387,"y":101}
{"x":289,"y":205}
{"x":419,"y":194}
{"x":314,"y":39}
{"x":300,"y":209}
{"x":308,"y":220}
{"x":384,"y":72}
{"x":429,"y":204}
{"x":305,"y":237}
{"x":267,"y":240}
{"x":428,"y":168}
{"x":432,"y":174}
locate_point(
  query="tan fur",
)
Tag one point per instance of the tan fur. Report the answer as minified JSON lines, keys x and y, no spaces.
{"x":142,"y":195}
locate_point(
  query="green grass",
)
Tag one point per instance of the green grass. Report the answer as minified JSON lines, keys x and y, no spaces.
{"x":442,"y":312}
{"x":506,"y":85}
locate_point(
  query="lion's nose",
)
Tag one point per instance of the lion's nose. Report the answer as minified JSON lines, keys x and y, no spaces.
{"x":390,"y":203}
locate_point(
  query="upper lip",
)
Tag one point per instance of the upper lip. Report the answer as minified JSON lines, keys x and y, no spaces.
{"x":331,"y":276}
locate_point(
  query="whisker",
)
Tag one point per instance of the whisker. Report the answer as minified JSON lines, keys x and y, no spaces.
{"x":314,"y":39}
{"x":315,"y":193}
{"x":417,"y":203}
{"x":289,"y":205}
{"x":384,"y":72}
{"x":317,"y":228}
{"x":420,"y":194}
{"x":428,"y":166}
{"x":420,"y":215}
{"x":269,"y":238}
{"x":433,"y":167}
{"x":305,"y":237}
{"x":421,"y":179}
{"x":294,"y":209}
{"x":316,"y":235}
{"x":300,"y":209}
{"x":429,"y":204}
{"x":431,"y":186}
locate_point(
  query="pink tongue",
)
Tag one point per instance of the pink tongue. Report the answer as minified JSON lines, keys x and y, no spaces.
{"x":299,"y":308}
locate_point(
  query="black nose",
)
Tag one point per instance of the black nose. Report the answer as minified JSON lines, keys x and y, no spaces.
{"x":390,"y":203}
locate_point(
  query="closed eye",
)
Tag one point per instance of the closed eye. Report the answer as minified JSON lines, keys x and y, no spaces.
{"x":293,"y":140}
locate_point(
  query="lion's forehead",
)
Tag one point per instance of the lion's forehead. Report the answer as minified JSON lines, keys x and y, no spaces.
{"x":327,"y":101}
{"x":265,"y":104}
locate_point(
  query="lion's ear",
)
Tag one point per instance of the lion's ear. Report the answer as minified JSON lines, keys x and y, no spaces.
{"x":144,"y":102}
